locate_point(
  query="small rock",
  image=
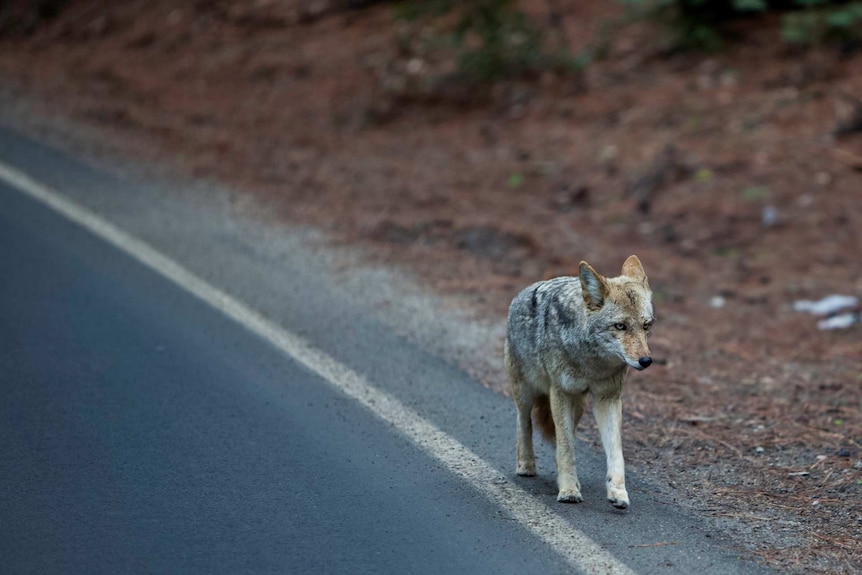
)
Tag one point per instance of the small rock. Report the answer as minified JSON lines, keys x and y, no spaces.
{"x":769,"y":216}
{"x":805,"y":200}
{"x":609,"y":153}
{"x":857,"y":465}
{"x":843,"y":453}
{"x":175,"y":17}
{"x":759,"y":449}
{"x":608,"y":157}
{"x":717,"y":302}
{"x":415,"y":67}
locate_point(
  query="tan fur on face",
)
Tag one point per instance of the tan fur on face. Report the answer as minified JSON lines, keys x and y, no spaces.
{"x":638,"y":314}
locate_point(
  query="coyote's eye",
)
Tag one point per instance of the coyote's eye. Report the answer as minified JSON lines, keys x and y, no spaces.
{"x":620,"y":326}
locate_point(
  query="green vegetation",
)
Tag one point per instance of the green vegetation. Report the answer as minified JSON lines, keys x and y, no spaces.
{"x":823,"y":21}
{"x":752,"y":193}
{"x":489,"y":40}
{"x":703,"y":24}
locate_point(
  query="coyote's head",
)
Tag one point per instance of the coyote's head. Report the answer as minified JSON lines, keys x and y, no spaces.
{"x":619,"y":312}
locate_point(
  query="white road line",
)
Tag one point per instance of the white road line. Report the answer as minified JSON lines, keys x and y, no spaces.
{"x":578,"y":549}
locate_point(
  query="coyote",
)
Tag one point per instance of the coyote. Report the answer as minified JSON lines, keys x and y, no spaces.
{"x":569,"y":337}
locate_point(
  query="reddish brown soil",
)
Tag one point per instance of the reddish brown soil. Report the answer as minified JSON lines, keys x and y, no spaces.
{"x":480,"y":200}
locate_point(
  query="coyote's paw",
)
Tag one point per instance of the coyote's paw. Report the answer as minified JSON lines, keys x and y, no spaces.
{"x":570,"y":489}
{"x":570,"y":496}
{"x":617,"y":497}
{"x":526,"y":468}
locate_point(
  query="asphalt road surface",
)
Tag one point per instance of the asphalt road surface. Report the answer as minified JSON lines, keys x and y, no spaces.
{"x":142,"y":430}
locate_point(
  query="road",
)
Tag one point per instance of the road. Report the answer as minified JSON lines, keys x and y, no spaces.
{"x":144,"y":430}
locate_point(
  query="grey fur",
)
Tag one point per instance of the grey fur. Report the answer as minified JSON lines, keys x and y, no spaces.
{"x":569,"y":337}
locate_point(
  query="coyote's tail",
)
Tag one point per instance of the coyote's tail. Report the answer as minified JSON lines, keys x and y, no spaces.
{"x":543,"y":419}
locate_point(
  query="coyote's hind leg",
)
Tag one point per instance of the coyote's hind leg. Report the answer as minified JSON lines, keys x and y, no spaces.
{"x":525,"y":456}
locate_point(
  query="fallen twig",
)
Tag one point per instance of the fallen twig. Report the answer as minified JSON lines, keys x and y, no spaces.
{"x":659,"y":544}
{"x":707,"y":437}
{"x":849,"y":158}
{"x":820,"y":459}
{"x":744,"y":516}
{"x":826,"y":480}
{"x":833,"y":541}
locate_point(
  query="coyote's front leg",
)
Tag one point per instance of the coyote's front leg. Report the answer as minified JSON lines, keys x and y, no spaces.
{"x":566,"y":410}
{"x":609,"y":417}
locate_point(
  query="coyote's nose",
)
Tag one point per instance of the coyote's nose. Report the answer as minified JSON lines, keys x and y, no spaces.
{"x":645,"y":361}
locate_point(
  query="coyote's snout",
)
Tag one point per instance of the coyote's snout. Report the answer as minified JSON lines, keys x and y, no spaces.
{"x":569,"y":337}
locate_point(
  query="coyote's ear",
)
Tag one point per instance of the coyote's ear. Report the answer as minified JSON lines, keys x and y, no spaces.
{"x":634,"y":269}
{"x":593,"y":286}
